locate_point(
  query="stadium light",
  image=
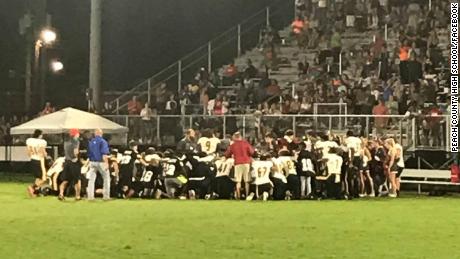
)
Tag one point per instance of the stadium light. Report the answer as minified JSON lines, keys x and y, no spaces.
{"x":48,"y":36}
{"x":57,"y":66}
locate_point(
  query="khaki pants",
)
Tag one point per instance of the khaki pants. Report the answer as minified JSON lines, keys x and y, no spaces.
{"x":242,"y":172}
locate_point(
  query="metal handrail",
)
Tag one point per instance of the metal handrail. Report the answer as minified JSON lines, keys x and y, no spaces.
{"x":116,"y":101}
{"x":284,"y":115}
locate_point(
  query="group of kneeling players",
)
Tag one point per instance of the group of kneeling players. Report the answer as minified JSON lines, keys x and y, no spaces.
{"x":313,"y":167}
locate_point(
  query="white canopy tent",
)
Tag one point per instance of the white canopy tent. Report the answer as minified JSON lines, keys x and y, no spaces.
{"x":69,"y":118}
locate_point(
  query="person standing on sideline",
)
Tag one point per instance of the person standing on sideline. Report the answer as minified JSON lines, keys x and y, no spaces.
{"x":36,"y":149}
{"x":188,"y":144}
{"x":72,"y":167}
{"x":98,"y":154}
{"x":242,"y":153}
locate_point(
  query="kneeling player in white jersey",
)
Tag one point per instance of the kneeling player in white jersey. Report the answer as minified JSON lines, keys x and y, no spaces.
{"x":331,"y":181}
{"x":262,"y":186}
{"x":223,"y":185}
{"x":278,"y":179}
{"x":289,"y":167}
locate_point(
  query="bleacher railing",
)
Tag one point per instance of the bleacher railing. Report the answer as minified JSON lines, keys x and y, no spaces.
{"x":411,"y":132}
{"x":214,"y":54}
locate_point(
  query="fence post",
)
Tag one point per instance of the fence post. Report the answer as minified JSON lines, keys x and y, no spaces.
{"x":346,"y":117}
{"x":158,"y":130}
{"x":148,"y":90}
{"x":127,"y":121}
{"x":118,"y":106}
{"x":340,"y":63}
{"x":293,"y":125}
{"x":330,"y":123}
{"x":224,"y":130}
{"x":239,"y":40}
{"x":267,"y":22}
{"x":179,"y":75}
{"x":447,"y":133}
{"x":209,"y":57}
{"x":414,"y":138}
{"x":244,"y":126}
{"x":340,"y":113}
{"x":401,"y":133}
{"x":367,"y":127}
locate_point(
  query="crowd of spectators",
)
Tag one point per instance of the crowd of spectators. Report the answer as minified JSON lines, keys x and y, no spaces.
{"x":9,"y":121}
{"x":401,"y":75}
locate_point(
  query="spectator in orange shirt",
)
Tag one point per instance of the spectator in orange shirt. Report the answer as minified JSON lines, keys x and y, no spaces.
{"x":134,"y":106}
{"x":404,"y":50}
{"x":230,"y":73}
{"x":380,"y":122}
{"x":298,"y":25}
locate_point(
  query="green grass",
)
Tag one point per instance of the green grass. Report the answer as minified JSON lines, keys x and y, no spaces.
{"x":415,"y":227}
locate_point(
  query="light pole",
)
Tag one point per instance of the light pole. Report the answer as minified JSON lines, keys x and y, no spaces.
{"x":95,"y":58}
{"x":46,"y":38}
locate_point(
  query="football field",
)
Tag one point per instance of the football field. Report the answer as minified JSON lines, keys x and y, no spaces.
{"x":411,"y":227}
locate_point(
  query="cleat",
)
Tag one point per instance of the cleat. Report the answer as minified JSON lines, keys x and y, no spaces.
{"x":191,"y":195}
{"x":265,"y":196}
{"x":288,"y":196}
{"x":250,"y":197}
{"x":157,"y":194}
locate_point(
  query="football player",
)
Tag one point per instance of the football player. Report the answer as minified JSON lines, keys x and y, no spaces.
{"x":305,"y":170}
{"x":114,"y":168}
{"x":223,"y":185}
{"x":331,"y":181}
{"x":290,"y":171}
{"x":261,"y":185}
{"x":278,"y":179}
{"x":200,"y":175}
{"x":54,"y":173}
{"x":72,"y":167}
{"x":128,"y":171}
{"x":174,"y":173}
{"x":208,"y":143}
{"x":151,"y":177}
{"x":36,"y":150}
{"x":355,"y":176}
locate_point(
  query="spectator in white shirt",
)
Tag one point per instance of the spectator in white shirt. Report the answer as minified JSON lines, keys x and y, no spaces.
{"x":147,"y":127}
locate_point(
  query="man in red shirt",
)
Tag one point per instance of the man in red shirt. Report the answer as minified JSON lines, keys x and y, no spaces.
{"x":242,"y":152}
{"x":134,"y":106}
{"x":380,"y":122}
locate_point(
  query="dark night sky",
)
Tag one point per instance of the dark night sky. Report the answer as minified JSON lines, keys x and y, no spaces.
{"x":139,"y":37}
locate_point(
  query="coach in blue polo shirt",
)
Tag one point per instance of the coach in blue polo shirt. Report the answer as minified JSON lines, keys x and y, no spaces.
{"x":98,"y":154}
